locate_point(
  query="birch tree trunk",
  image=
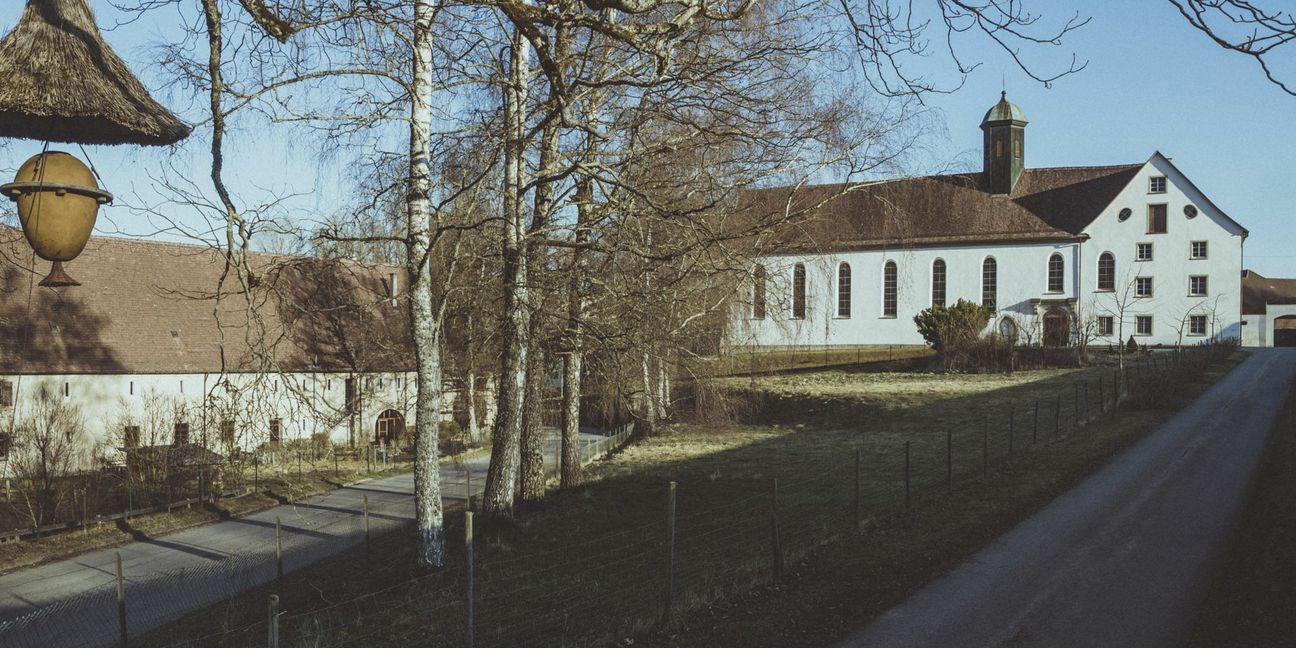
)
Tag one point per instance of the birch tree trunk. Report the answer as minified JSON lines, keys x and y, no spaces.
{"x":423,"y":316}
{"x":470,"y":405}
{"x":506,"y":434}
{"x":531,"y":482}
{"x":572,"y":471}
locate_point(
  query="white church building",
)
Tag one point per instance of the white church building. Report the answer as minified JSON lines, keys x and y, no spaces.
{"x":1063,"y":256}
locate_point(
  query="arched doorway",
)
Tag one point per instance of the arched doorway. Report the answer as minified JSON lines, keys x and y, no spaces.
{"x":1285,"y":331}
{"x":1008,"y":330}
{"x":1057,"y":328}
{"x":389,"y":428}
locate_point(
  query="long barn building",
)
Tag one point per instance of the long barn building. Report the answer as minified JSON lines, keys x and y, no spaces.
{"x":144,"y":354}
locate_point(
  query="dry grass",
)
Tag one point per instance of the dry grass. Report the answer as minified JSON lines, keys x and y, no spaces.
{"x":586,"y":566}
{"x":758,"y":361}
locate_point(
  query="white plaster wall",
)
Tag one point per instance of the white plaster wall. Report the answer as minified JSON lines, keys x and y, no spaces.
{"x":305,"y":403}
{"x":1022,"y":272}
{"x":1254,"y":333}
{"x":1171,"y":264}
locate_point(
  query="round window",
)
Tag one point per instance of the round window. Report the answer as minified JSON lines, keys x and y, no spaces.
{"x":1190,"y":211}
{"x":1125,"y":214}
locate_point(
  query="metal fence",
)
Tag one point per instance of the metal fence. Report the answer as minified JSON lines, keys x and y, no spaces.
{"x":710,"y":538}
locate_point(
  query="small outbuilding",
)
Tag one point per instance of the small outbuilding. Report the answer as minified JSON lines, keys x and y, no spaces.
{"x":1268,"y":311}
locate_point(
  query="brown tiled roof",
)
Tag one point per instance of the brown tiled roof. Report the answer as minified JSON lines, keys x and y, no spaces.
{"x":147,"y":307}
{"x":1257,"y":291}
{"x":1052,"y":203}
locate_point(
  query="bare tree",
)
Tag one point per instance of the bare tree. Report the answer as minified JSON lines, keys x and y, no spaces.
{"x":49,"y":446}
{"x":1248,"y":27}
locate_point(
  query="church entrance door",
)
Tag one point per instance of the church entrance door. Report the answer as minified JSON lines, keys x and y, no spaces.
{"x":1057,"y":328}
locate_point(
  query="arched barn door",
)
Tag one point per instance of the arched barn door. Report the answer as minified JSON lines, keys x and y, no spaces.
{"x":1285,"y":331}
{"x":1057,"y":328}
{"x":389,"y":428}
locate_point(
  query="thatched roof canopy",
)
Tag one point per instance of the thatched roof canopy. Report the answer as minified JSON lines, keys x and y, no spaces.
{"x":59,"y":81}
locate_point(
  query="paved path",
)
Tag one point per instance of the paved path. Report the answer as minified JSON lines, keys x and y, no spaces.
{"x":1123,"y":558}
{"x":72,"y":602}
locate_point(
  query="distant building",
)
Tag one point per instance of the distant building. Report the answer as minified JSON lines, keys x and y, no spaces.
{"x":1268,"y":311}
{"x":146,"y":355}
{"x":1063,"y":256}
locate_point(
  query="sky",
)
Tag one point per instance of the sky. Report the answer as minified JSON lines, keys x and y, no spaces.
{"x":1150,"y":83}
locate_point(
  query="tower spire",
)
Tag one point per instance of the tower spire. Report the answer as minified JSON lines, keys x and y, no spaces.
{"x":1004,"y":126}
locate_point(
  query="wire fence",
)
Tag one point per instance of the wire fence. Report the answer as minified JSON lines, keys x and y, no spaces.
{"x":689,"y":545}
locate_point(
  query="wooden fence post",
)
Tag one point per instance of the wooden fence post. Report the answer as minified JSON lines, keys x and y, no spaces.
{"x":1035,"y":428}
{"x":1086,"y":400}
{"x":1012,"y":416}
{"x":1075,"y":408}
{"x":859,"y":504}
{"x":776,"y":544}
{"x":366,"y":527}
{"x":670,"y":554}
{"x":279,"y":574}
{"x":985,"y":446}
{"x":949,"y":462}
{"x":907,"y":500}
{"x":1057,"y":416}
{"x":121,"y":603}
{"x":272,"y":622}
{"x":468,"y":562}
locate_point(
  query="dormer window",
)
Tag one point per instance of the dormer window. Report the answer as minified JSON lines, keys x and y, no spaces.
{"x":1157,"y":184}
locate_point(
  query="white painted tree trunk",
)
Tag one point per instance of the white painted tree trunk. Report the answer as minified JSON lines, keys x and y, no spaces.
{"x":502,"y":476}
{"x":470,"y":393}
{"x":423,"y":315}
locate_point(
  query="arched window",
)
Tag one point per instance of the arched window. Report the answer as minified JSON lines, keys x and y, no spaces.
{"x":990,"y":284}
{"x":758,"y":292}
{"x":938,"y":282}
{"x":889,"y":289}
{"x":844,"y":290}
{"x":798,"y":291}
{"x":1107,"y":271}
{"x":1056,"y":268}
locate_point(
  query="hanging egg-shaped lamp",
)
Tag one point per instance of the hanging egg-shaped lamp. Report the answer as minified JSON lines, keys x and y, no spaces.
{"x":58,"y":201}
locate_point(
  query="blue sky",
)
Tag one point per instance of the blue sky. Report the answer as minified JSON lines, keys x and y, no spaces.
{"x":1151,"y":83}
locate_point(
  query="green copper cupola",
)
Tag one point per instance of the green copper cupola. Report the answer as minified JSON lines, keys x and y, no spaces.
{"x":1005,"y":145}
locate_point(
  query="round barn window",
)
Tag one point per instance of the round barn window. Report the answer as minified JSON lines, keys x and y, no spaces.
{"x":1190,"y":211}
{"x":1125,"y":214}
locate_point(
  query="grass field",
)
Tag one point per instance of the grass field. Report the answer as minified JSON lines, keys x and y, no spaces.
{"x":589,"y":566}
{"x":1252,"y":601}
{"x":755,"y":360}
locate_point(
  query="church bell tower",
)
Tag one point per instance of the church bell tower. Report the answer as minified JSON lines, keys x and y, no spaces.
{"x":1005,"y":146}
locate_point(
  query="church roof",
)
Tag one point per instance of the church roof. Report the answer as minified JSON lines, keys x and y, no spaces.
{"x":1046,"y":204}
{"x":148,"y":307}
{"x":1258,"y":291}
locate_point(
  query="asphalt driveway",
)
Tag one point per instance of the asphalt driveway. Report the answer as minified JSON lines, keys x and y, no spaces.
{"x":1122,"y":559}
